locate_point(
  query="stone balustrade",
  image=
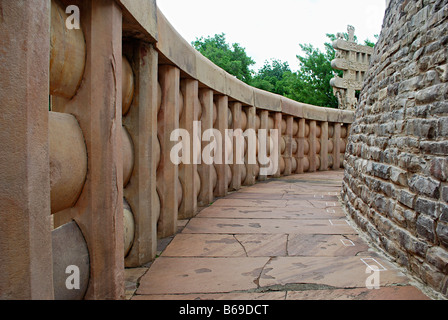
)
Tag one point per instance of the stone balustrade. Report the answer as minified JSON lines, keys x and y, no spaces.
{"x":97,"y":170}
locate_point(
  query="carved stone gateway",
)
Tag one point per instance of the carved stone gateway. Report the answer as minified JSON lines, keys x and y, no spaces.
{"x":353,"y":59}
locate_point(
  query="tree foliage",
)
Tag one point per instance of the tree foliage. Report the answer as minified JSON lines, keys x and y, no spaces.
{"x":232,"y":58}
{"x":275,"y":76}
{"x":314,"y":75}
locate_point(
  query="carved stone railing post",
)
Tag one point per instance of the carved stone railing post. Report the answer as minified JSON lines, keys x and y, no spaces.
{"x":98,"y":108}
{"x":278,"y":127}
{"x":288,"y":135}
{"x":301,"y":146}
{"x":141,"y":123}
{"x":206,"y":171}
{"x":187,"y":172}
{"x":222,"y":107}
{"x":236,"y":110}
{"x":324,"y":147}
{"x":336,"y":146}
{"x":264,"y":125}
{"x":25,"y":225}
{"x":313,"y":146}
{"x":251,"y":113}
{"x":167,"y":173}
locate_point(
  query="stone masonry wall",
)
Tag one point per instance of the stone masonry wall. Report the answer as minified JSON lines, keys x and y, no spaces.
{"x":396,"y":179}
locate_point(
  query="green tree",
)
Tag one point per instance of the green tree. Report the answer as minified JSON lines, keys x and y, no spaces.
{"x":314,"y":75}
{"x":276,"y":77}
{"x":315,"y":72}
{"x":232,"y":58}
{"x":369,"y":43}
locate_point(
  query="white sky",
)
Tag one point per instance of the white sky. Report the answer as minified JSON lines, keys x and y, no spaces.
{"x":274,"y":28}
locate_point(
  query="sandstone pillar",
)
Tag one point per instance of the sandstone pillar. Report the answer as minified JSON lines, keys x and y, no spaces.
{"x":222,"y":104}
{"x":141,"y":123}
{"x":205,"y":171}
{"x":324,"y":147}
{"x":98,"y":109}
{"x":313,"y":143}
{"x":336,"y":146}
{"x":264,"y":124}
{"x":288,"y":150}
{"x":25,"y":228}
{"x":250,"y":168}
{"x":168,"y":174}
{"x":301,"y":146}
{"x":236,"y":109}
{"x":187,"y":172}
{"x":277,"y":126}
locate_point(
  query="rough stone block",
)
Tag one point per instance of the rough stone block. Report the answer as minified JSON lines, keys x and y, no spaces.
{"x":381,"y":170}
{"x":398,"y":176}
{"x":407,"y":198}
{"x":443,"y":128}
{"x":422,"y":128}
{"x":445,"y":193}
{"x":411,"y":163}
{"x":426,"y":207}
{"x":442,"y":233}
{"x":425,"y":186}
{"x":411,"y":244}
{"x":426,"y":228}
{"x":439,"y":168}
{"x":438,"y":257}
{"x":430,"y":94}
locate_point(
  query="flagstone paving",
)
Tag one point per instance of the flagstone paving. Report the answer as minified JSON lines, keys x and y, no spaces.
{"x":284,"y":239}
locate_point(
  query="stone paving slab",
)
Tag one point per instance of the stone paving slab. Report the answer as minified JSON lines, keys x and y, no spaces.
{"x":267,"y":226}
{"x":262,"y":202}
{"x":271,"y":213}
{"x":335,"y":272}
{"x":201,"y":275}
{"x":217,"y":296}
{"x":204,"y":245}
{"x":264,"y":245}
{"x":256,"y":195}
{"x":385,"y":293}
{"x":317,"y":245}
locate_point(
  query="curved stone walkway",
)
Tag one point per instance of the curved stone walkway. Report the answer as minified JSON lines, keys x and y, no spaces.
{"x":286,"y":238}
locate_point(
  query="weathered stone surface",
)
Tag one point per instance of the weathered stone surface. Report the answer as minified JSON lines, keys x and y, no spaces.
{"x":204,"y":245}
{"x":25,"y":227}
{"x":143,"y":14}
{"x":405,"y":293}
{"x":268,"y":296}
{"x":67,"y":56}
{"x":140,"y":122}
{"x":325,"y":245}
{"x":354,"y":60}
{"x":69,"y":249}
{"x":97,"y":107}
{"x":263,"y":226}
{"x":340,"y":272}
{"x":204,"y":275}
{"x":68,"y":160}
